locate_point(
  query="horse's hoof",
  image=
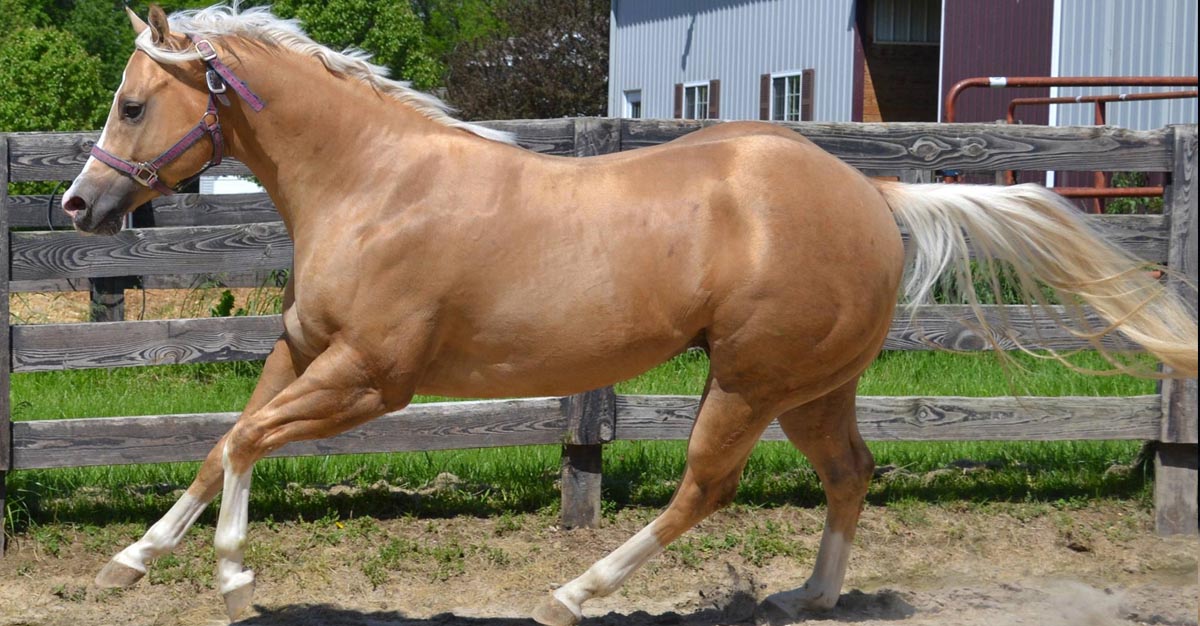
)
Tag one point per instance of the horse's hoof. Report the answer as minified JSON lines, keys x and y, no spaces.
{"x":238,"y":593}
{"x":793,"y":603}
{"x":117,"y":575}
{"x":553,"y":612}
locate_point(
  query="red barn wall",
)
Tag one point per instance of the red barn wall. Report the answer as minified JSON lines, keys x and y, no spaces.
{"x":996,"y":38}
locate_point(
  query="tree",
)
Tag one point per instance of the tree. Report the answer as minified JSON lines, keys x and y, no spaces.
{"x":390,"y":31}
{"x":452,"y":23}
{"x":49,"y":82}
{"x":21,"y":14}
{"x":548,"y":59}
{"x":104,"y":31}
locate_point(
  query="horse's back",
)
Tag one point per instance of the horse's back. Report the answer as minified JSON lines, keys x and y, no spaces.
{"x":737,"y":130}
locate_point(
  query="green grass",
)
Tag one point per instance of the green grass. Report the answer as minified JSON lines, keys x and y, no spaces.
{"x":512,"y":480}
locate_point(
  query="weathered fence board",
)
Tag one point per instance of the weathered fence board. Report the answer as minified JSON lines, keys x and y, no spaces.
{"x":556,"y":136}
{"x":954,"y":327}
{"x":453,"y":425}
{"x":60,"y":156}
{"x":43,"y":347}
{"x":51,"y":255}
{"x":958,"y":146}
{"x":150,"y":251}
{"x":947,"y":418}
{"x":168,"y":438}
{"x":1144,"y":236}
{"x":189,"y":209}
{"x":38,"y":211}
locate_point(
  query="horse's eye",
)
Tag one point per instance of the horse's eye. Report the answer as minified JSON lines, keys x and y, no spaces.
{"x":132,"y":110}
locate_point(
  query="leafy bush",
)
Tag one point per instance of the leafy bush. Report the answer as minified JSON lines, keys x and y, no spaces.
{"x":388,"y":30}
{"x":1129,"y":206}
{"x":49,"y":82}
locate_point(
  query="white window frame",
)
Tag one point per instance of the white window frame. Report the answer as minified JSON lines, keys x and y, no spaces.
{"x":691,"y":115}
{"x":799,"y":75}
{"x":630,"y":101}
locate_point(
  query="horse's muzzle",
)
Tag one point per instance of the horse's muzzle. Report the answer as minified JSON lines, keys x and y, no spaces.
{"x":95,"y":213}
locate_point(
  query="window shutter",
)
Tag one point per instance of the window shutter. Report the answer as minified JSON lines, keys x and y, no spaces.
{"x":764,"y":97}
{"x":678,"y":101}
{"x":714,"y":99}
{"x":806,"y":96}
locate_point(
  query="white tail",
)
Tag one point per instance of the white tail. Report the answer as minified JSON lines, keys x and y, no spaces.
{"x":1044,"y":241}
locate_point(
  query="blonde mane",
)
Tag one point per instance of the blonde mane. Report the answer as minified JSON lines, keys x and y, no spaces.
{"x":259,"y":24}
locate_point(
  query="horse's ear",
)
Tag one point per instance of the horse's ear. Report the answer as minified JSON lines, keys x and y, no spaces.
{"x":138,"y":24}
{"x":160,"y":29}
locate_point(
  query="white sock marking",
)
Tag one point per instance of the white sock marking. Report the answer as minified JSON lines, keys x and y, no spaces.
{"x":164,"y":535}
{"x":607,"y":574}
{"x":830,"y":570}
{"x":231,"y":529}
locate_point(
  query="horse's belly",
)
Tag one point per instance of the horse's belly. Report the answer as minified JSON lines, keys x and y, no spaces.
{"x":544,"y":366}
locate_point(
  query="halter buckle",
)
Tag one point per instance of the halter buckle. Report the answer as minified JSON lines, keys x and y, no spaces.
{"x":216,"y":84}
{"x":146,"y":175}
{"x":206,"y":50}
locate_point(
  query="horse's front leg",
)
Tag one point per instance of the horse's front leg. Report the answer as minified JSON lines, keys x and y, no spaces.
{"x":128,"y":566}
{"x":338,"y":391}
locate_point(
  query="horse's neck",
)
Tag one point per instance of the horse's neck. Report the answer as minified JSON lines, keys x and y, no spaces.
{"x":322,"y":140}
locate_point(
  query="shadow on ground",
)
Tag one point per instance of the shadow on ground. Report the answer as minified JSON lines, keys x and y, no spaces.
{"x":738,"y":610}
{"x":854,"y":606}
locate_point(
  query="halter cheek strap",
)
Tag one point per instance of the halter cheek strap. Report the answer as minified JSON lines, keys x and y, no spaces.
{"x":209,"y":55}
{"x":146,"y":173}
{"x":218,"y":77}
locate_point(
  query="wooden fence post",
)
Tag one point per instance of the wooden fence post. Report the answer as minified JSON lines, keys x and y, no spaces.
{"x":591,"y":416}
{"x":108,"y":298}
{"x":597,"y":135}
{"x":1175,"y":460}
{"x":591,"y":423}
{"x":5,"y":336}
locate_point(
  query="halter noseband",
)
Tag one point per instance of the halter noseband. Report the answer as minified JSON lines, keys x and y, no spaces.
{"x":218,"y":78}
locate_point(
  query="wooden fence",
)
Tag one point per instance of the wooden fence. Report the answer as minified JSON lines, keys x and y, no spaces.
{"x":237,"y":240}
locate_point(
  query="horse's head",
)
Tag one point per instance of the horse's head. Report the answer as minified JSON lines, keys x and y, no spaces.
{"x":154,"y":108}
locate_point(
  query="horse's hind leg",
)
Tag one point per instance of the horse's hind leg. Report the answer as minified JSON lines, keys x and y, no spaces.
{"x":129,"y":565}
{"x":726,"y":430}
{"x":826,"y":431}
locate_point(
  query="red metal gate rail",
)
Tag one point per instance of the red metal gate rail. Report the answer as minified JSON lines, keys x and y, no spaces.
{"x":1003,"y":82}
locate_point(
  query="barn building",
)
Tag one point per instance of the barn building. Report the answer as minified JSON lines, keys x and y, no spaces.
{"x":890,"y":60}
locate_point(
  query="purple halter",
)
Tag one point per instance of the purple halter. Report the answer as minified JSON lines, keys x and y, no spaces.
{"x":218,"y":77}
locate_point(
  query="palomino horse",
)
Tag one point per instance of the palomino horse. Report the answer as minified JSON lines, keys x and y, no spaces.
{"x":432,"y":256}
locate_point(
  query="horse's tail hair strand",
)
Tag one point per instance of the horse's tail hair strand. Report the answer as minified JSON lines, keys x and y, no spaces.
{"x":1041,"y":240}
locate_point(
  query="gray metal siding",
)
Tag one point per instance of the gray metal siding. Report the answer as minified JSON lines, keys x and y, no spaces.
{"x":1125,"y":38}
{"x":658,"y":43}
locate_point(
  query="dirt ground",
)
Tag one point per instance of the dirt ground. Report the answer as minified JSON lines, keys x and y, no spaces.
{"x":998,"y":565}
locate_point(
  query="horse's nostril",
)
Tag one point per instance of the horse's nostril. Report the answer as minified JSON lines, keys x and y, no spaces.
{"x":74,"y":204}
